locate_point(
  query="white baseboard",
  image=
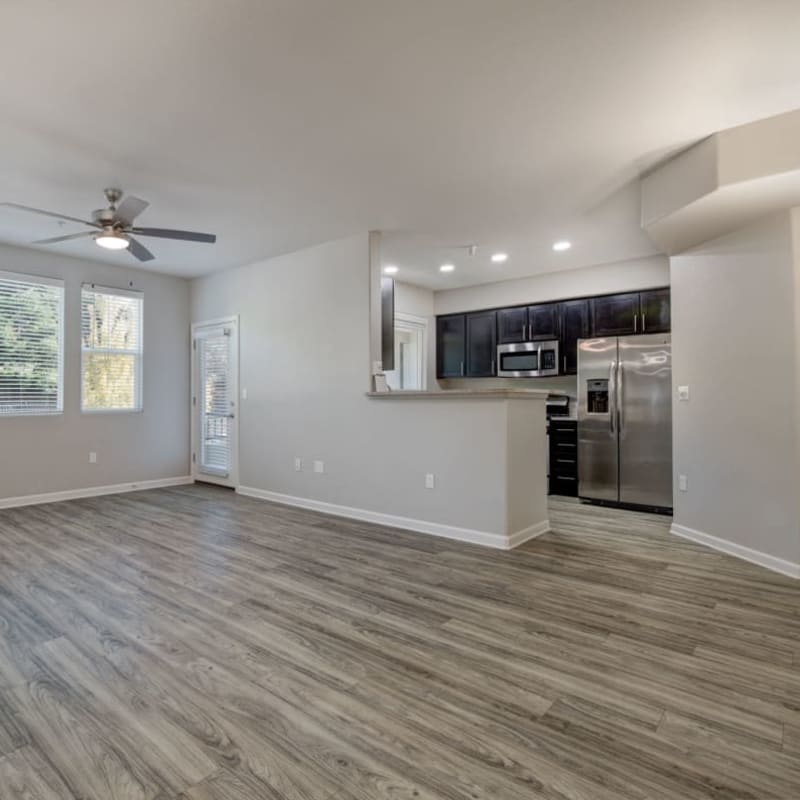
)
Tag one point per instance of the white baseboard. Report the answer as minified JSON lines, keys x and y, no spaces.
{"x":92,"y":491}
{"x":738,"y":550}
{"x":526,"y":534}
{"x":483,"y":538}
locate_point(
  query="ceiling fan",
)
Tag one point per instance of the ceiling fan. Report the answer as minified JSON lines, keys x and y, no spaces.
{"x":113,"y":227}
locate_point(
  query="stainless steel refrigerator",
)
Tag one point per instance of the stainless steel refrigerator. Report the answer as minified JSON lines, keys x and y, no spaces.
{"x":625,"y":420}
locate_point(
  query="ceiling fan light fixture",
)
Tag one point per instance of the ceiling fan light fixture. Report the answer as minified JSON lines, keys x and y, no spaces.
{"x":112,"y":241}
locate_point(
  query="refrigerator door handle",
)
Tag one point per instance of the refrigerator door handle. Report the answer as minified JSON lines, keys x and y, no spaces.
{"x":612,"y":398}
{"x":620,"y":399}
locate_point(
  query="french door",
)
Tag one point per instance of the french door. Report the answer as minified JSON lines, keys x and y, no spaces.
{"x":215,"y":392}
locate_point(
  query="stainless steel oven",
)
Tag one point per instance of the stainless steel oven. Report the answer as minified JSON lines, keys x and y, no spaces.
{"x":528,"y":359}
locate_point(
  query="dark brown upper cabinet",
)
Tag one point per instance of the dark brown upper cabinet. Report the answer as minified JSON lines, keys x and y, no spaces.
{"x":481,"y":344}
{"x":543,"y":322}
{"x":451,"y":342}
{"x":466,"y":344}
{"x":512,"y":325}
{"x":655,"y":311}
{"x":615,"y":315}
{"x":527,"y":323}
{"x":574,"y":326}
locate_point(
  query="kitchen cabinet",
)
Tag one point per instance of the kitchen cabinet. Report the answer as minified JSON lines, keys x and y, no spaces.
{"x":574,"y":325}
{"x":512,"y":325}
{"x":615,"y":315}
{"x":655,"y":311}
{"x":527,"y":323}
{"x":563,"y":438}
{"x":543,"y":322}
{"x":466,"y":344}
{"x":481,"y":350}
{"x":450,"y":346}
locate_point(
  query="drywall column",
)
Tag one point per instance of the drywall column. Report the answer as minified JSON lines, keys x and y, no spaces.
{"x":735,"y":345}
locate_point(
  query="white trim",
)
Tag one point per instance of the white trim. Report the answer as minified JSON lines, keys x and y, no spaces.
{"x":484,"y":538}
{"x":738,"y":550}
{"x":412,"y":323}
{"x":92,"y":491}
{"x":526,"y":534}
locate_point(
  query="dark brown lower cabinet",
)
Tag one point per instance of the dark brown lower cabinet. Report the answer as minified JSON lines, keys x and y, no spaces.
{"x":563,"y":457}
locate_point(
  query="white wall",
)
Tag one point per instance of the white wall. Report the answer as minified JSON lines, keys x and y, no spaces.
{"x":51,"y":453}
{"x":622,"y":276}
{"x":305,"y":362}
{"x":735,"y":344}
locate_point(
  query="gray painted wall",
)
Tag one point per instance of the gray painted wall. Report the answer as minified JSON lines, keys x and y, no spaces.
{"x":51,"y":453}
{"x":735,"y":343}
{"x":305,"y":362}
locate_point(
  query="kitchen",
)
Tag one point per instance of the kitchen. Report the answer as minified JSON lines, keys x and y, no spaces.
{"x":604,"y":359}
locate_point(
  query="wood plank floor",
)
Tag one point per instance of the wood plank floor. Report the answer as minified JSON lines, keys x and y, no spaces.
{"x":188,"y":643}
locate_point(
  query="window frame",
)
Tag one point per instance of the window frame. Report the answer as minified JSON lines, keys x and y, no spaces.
{"x":58,"y":283}
{"x":138,"y":354}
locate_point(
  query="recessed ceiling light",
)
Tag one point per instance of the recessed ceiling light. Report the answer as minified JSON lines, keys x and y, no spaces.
{"x":112,"y":241}
{"x":499,"y":258}
{"x":390,"y":269}
{"x":447,"y":267}
{"x":562,"y":245}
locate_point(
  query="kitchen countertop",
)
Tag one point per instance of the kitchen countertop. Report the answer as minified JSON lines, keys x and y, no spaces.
{"x":471,"y":394}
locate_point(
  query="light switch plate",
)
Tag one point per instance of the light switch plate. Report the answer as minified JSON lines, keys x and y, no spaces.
{"x":298,"y":465}
{"x":319,"y":466}
{"x":92,"y":457}
{"x":683,"y":393}
{"x":683,"y":483}
{"x":430,"y":480}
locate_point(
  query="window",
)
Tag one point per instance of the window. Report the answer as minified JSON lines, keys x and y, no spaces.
{"x":31,"y":344}
{"x":111,"y":349}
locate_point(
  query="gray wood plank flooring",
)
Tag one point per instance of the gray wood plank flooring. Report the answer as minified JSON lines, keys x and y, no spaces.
{"x":190,"y":644}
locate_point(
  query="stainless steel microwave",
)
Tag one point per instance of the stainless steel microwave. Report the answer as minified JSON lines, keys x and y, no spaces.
{"x":528,"y":359}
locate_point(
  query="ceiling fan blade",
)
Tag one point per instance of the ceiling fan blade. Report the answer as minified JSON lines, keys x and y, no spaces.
{"x":130,"y":208}
{"x":138,"y":250}
{"x":166,"y":233}
{"x":64,"y":238}
{"x":50,"y":214}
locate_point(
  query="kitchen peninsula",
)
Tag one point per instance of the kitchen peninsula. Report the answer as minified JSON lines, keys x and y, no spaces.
{"x":473,"y":463}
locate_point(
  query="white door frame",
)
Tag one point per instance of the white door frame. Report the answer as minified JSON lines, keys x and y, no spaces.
{"x":232,"y":479}
{"x":419,"y":326}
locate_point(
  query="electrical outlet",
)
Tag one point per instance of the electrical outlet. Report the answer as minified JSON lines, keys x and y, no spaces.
{"x":298,"y":465}
{"x":430,"y":480}
{"x":319,"y":466}
{"x":683,"y":483}
{"x":92,"y":457}
{"x":683,"y":394}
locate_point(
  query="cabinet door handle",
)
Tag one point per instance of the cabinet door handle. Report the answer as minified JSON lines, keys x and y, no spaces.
{"x":565,"y":365}
{"x":462,"y":369}
{"x":644,"y":321}
{"x":635,"y":323}
{"x":492,"y":366}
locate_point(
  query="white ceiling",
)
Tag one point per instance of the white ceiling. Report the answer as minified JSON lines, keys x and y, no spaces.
{"x":281,"y":123}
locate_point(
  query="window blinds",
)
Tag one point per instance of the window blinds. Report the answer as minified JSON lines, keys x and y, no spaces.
{"x":111,"y":349}
{"x":31,"y":344}
{"x":214,"y":357}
